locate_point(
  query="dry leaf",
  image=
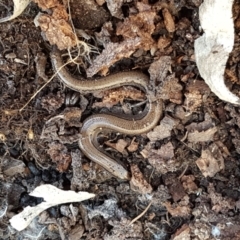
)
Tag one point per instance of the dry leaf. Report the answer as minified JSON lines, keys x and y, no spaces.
{"x":122,"y":229}
{"x":204,"y":136}
{"x":109,"y":209}
{"x":193,"y":101}
{"x":166,"y":151}
{"x":196,"y":91}
{"x":169,"y":164}
{"x":210,"y":162}
{"x":52,"y":196}
{"x":220,"y":203}
{"x":159,"y":69}
{"x":171,"y":90}
{"x":72,"y":116}
{"x":56,"y":128}
{"x":213,"y":48}
{"x":59,"y":155}
{"x":188,"y":183}
{"x":201,"y":126}
{"x":119,"y":146}
{"x":104,"y":37}
{"x":223,"y":148}
{"x":12,"y":167}
{"x":140,"y":26}
{"x":174,"y":186}
{"x":179,"y":210}
{"x":198,"y":86}
{"x":163,"y":130}
{"x":52,"y":101}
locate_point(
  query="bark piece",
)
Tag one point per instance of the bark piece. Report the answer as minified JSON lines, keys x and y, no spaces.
{"x":111,"y":54}
{"x":204,"y":136}
{"x":213,"y":48}
{"x":52,"y":196}
{"x":138,"y":182}
{"x":183,"y":233}
{"x":115,"y":7}
{"x":120,"y":145}
{"x":174,"y":186}
{"x":168,"y":20}
{"x":210,"y":162}
{"x":140,"y":26}
{"x":59,"y":155}
{"x":220,"y":203}
{"x":115,"y":96}
{"x":19,"y":7}
{"x":182,"y":209}
{"x":171,"y":90}
{"x":163,"y":130}
{"x":56,"y":26}
{"x":188,"y":183}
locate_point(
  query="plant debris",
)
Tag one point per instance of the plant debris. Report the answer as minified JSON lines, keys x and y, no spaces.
{"x":56,"y":26}
{"x":184,"y":173}
{"x":52,"y":197}
{"x":138,"y":183}
{"x":213,"y":48}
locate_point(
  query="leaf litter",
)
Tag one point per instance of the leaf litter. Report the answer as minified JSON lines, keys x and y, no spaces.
{"x":186,"y":167}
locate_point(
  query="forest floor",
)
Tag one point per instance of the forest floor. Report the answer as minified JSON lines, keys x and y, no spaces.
{"x":185,"y":172}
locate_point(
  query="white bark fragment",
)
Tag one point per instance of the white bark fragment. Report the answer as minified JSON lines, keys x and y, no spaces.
{"x":19,"y":7}
{"x":213,"y":48}
{"x":52,"y":196}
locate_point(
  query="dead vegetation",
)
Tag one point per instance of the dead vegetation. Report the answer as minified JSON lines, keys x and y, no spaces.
{"x":185,"y":172}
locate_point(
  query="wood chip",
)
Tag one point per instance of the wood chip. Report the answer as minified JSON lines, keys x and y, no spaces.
{"x":138,"y":182}
{"x":168,"y":20}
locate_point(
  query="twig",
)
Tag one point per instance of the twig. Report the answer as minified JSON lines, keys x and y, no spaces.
{"x":141,"y":214}
{"x":35,"y":237}
{"x":185,"y":169}
{"x":151,"y":174}
{"x":185,"y":137}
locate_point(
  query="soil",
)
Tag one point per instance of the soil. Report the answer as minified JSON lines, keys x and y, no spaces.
{"x":185,"y":172}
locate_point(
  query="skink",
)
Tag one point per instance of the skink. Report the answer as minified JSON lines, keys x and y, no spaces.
{"x":93,"y":124}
